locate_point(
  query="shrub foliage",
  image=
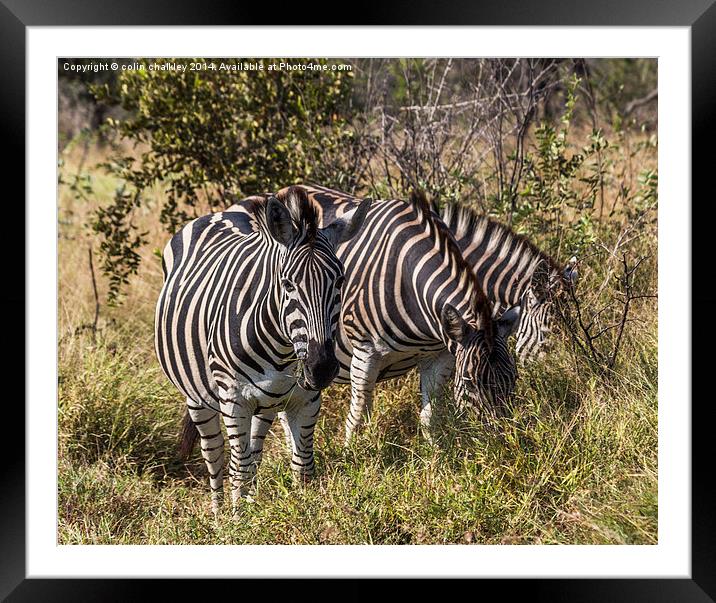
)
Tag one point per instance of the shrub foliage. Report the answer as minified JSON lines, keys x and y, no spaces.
{"x":206,"y":135}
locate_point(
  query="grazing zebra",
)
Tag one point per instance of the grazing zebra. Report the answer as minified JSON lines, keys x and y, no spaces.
{"x":410,"y":300}
{"x":245,"y":327}
{"x":512,"y":271}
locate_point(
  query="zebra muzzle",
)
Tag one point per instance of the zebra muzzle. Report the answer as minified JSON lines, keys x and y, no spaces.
{"x":321,"y":366}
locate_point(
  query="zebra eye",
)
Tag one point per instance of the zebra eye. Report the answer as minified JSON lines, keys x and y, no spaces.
{"x":288,"y":285}
{"x":339,"y":282}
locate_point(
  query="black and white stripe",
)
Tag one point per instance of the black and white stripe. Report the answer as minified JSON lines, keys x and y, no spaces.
{"x":512,"y":271}
{"x":410,"y":300}
{"x":245,"y":327}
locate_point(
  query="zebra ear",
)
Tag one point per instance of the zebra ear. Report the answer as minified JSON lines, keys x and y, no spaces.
{"x":454,"y":325}
{"x":571,"y":273}
{"x":507,"y":323}
{"x":279,"y":222}
{"x":348,"y":225}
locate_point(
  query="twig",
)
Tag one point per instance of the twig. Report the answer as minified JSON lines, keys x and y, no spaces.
{"x":96,"y":294}
{"x":585,"y":334}
{"x":640,"y":102}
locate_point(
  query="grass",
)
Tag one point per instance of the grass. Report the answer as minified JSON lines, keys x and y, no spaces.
{"x":576,"y":463}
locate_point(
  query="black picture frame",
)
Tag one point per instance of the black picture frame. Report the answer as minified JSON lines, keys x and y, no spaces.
{"x":699,"y":15}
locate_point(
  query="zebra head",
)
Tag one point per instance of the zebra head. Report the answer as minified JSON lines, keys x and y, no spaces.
{"x":485,"y":371}
{"x":538,"y":304}
{"x":310,"y":280}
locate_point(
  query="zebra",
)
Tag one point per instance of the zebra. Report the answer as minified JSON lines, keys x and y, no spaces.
{"x":245,"y":327}
{"x":410,"y":300}
{"x":512,"y":271}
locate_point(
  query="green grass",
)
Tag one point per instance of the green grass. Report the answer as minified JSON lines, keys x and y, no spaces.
{"x":576,"y":462}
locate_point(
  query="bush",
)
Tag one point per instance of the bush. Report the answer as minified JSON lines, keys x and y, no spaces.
{"x":562,"y":206}
{"x":210,"y":134}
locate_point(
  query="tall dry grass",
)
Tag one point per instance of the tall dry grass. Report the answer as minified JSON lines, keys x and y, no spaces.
{"x":575,"y":463}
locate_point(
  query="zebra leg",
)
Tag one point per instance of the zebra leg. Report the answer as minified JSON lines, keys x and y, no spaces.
{"x":434,"y":375}
{"x":301,"y":420}
{"x":260,"y":425}
{"x":208,"y":424}
{"x":237,"y":416}
{"x":364,"y":374}
{"x":286,"y":430}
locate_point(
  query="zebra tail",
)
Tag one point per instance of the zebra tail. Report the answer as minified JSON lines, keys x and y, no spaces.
{"x":189,"y":436}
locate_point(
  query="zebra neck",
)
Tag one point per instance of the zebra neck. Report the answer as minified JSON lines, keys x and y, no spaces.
{"x":503,"y":275}
{"x":503,"y":261}
{"x":469,"y":302}
{"x":434,"y":273}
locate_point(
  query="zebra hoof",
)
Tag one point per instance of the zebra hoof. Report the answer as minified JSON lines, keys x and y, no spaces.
{"x":217,"y":500}
{"x":243,"y":496}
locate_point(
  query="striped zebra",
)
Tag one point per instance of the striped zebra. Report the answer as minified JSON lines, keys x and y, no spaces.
{"x":245,"y":327}
{"x":410,"y":300}
{"x":512,"y":271}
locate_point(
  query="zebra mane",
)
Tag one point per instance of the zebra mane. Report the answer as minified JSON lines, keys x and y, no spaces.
{"x":464,"y":222}
{"x":303,"y":213}
{"x":483,"y":308}
{"x":420,"y":201}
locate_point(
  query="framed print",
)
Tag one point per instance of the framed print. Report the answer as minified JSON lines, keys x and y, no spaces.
{"x":478,"y":198}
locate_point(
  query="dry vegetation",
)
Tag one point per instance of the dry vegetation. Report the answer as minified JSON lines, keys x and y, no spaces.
{"x":576,"y":463}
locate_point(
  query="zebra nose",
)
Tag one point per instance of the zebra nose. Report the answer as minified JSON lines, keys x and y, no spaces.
{"x":321,"y":364}
{"x":300,"y":348}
